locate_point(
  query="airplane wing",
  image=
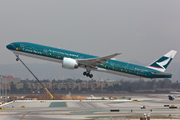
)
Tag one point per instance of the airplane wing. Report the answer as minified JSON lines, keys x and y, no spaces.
{"x":95,"y":61}
{"x":170,"y":96}
{"x":173,"y":92}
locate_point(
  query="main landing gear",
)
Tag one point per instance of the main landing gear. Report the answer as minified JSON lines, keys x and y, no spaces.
{"x":88,"y":74}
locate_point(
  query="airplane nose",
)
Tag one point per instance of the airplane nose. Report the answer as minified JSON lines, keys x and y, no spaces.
{"x":8,"y":46}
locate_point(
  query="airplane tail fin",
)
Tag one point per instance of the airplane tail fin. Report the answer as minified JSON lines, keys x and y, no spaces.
{"x":162,"y":63}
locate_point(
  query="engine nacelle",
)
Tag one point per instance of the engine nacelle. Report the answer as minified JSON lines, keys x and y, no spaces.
{"x":171,"y":97}
{"x":69,"y":63}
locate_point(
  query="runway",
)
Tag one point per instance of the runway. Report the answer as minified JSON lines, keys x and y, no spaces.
{"x":89,"y":109}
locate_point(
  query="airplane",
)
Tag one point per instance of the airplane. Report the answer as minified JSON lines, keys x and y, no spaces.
{"x":73,"y":60}
{"x":172,"y":97}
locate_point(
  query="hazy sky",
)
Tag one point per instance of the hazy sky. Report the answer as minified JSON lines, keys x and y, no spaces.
{"x":140,"y":29}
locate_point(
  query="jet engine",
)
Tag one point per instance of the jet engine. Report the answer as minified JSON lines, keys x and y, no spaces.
{"x":69,"y":63}
{"x":171,"y":97}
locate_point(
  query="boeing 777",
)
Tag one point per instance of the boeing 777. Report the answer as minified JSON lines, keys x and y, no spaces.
{"x":73,"y":60}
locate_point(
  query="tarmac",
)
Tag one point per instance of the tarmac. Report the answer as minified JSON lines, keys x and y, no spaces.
{"x":91,"y":109}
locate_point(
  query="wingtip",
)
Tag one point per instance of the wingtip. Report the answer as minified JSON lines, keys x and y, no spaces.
{"x":118,"y":53}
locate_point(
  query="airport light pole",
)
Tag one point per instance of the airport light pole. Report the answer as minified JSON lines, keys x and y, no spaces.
{"x":2,"y":83}
{"x":5,"y":89}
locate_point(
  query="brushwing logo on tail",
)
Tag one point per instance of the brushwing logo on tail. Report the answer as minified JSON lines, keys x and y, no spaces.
{"x":162,"y":62}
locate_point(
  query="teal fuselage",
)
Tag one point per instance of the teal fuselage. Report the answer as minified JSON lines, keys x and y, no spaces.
{"x":45,"y":52}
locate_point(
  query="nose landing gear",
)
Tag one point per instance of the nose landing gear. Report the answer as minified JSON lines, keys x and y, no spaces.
{"x":17,"y":59}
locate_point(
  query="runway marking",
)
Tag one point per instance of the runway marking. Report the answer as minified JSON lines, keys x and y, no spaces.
{"x":89,"y":105}
{"x":177,"y":114}
{"x":58,"y":104}
{"x":107,"y":105}
{"x":66,"y":104}
{"x":24,"y":115}
{"x":86,"y":104}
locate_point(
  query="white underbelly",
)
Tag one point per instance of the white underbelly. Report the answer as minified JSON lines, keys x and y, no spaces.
{"x":118,"y":73}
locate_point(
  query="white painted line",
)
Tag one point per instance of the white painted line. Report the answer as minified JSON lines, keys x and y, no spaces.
{"x":6,"y":103}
